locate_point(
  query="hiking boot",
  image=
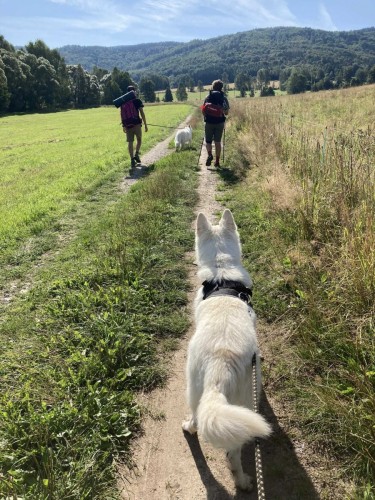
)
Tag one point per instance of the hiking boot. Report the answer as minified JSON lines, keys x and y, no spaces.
{"x":133,"y":163}
{"x":137,"y":158}
{"x":209,"y":160}
{"x":217,"y":164}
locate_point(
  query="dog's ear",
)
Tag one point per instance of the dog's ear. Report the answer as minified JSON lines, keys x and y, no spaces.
{"x":227,"y":220}
{"x":202,"y":224}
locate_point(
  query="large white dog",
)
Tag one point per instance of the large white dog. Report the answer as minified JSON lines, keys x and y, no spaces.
{"x":219,"y":366}
{"x":183,"y":137}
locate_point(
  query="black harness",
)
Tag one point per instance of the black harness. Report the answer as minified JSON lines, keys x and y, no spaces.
{"x":226,"y":287}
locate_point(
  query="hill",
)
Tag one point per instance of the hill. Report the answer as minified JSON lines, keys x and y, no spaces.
{"x":271,"y":48}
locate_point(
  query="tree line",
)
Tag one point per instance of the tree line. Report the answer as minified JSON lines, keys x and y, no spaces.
{"x":37,"y":78}
{"x":277,"y":50}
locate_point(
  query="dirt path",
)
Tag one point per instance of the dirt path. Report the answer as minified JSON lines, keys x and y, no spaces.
{"x":173,"y":466}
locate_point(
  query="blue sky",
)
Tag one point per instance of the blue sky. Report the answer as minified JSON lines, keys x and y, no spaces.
{"x":122,"y":22}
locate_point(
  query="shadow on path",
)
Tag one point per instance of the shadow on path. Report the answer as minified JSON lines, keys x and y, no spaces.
{"x":284,"y":476}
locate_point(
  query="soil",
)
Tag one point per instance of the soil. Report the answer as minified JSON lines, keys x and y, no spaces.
{"x":168,"y":464}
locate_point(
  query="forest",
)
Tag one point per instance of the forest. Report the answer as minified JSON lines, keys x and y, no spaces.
{"x":274,"y":49}
{"x":38,"y":78}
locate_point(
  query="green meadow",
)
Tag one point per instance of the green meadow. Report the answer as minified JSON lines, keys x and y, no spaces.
{"x":50,"y":163}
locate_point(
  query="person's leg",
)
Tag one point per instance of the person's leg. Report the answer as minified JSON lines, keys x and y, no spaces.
{"x":209,"y":136}
{"x":138,"y":135}
{"x":130,"y":139}
{"x":218,"y":133}
{"x":217,"y":153}
{"x":131,"y":149}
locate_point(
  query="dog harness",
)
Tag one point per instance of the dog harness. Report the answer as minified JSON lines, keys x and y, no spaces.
{"x":226,"y":287}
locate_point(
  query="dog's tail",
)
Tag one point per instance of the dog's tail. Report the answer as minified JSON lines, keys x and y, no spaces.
{"x":228,"y":426}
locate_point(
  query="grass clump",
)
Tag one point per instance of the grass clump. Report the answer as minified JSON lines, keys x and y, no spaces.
{"x":306,"y":212}
{"x":92,"y":332}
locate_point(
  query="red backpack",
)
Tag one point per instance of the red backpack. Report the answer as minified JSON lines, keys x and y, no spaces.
{"x":129,"y":114}
{"x":212,"y":109}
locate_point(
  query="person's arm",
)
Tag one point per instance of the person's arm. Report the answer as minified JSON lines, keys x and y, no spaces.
{"x":142,"y":113}
{"x":226,"y":106}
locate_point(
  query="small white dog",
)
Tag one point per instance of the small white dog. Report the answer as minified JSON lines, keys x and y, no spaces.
{"x":183,"y":137}
{"x":219,"y":366}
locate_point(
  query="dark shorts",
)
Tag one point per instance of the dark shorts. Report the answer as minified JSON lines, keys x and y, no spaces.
{"x":132,"y":132}
{"x":213,"y":132}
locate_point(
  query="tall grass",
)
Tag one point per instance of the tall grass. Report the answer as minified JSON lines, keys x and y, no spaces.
{"x":320,"y":148}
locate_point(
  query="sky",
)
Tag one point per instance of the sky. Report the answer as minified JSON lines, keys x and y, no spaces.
{"x":124,"y":22}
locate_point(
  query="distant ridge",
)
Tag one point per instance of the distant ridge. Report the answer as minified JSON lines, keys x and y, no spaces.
{"x":272,"y":48}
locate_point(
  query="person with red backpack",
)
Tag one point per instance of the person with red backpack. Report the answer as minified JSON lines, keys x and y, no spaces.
{"x":132,"y":124}
{"x":214,"y":109}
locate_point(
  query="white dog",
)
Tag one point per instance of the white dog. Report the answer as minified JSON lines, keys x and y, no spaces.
{"x":183,"y":137}
{"x":219,"y":366}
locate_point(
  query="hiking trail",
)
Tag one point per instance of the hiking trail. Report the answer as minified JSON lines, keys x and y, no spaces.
{"x":171,"y":465}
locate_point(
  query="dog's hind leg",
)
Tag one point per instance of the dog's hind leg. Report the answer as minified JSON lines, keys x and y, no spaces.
{"x":242,"y":480}
{"x":193,"y":396}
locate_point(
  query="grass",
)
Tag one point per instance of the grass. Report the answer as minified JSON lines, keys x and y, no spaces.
{"x":92,"y":332}
{"x":302,"y":189}
{"x":51,"y":163}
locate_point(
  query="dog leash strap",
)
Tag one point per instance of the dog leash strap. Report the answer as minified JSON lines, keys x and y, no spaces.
{"x":258,"y":455}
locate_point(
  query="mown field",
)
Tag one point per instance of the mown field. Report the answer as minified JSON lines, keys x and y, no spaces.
{"x":51,"y":163}
{"x":100,"y":308}
{"x":303,"y":192}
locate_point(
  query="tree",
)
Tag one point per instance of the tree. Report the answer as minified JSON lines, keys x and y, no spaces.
{"x":80,"y":82}
{"x":93,"y":91}
{"x":147,"y":89}
{"x":181,"y":93}
{"x":263,"y":78}
{"x":40,"y":49}
{"x":111,"y":90}
{"x":17,"y":74}
{"x":99,"y":72}
{"x":122,"y":78}
{"x":241,"y":83}
{"x":4,"y":94}
{"x":296,"y":82}
{"x":267,"y":91}
{"x":168,"y":95}
{"x":42,"y":85}
{"x":225,"y":80}
{"x":371,"y":75}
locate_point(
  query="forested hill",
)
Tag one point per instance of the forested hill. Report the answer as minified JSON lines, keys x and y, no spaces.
{"x":270,"y":48}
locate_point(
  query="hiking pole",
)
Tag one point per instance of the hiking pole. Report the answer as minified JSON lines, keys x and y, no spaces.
{"x":224,"y":145}
{"x":200,"y":152}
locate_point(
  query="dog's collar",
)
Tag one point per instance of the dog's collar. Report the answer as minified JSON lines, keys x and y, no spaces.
{"x":226,"y":287}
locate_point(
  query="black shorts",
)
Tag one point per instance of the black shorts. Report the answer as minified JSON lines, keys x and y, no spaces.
{"x":213,"y":132}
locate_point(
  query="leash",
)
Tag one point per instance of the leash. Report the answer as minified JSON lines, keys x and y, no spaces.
{"x":164,"y":126}
{"x":258,"y":456}
{"x":224,"y":145}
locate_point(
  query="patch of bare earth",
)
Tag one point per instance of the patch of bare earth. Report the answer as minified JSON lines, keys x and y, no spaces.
{"x":170,"y":465}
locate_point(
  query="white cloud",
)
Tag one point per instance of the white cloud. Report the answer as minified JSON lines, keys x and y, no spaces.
{"x":98,"y":14}
{"x":326,"y":19}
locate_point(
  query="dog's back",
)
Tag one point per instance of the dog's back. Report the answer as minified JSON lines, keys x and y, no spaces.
{"x":183,"y":137}
{"x":219,"y":368}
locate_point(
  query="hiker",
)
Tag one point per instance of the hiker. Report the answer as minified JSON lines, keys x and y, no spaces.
{"x":132,"y":125}
{"x":215,"y":109}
